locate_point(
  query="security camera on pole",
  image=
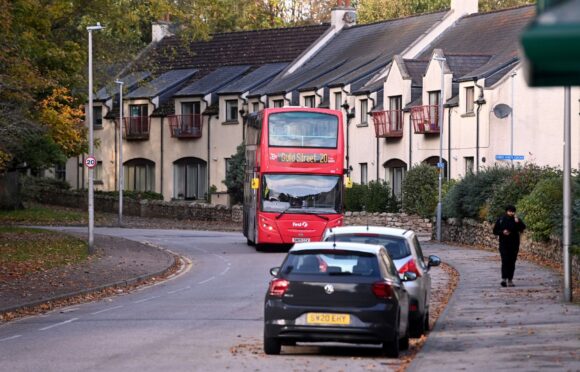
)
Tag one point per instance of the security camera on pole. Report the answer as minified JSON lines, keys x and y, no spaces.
{"x":91,"y":156}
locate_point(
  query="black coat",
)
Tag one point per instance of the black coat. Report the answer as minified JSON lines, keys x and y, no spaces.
{"x":511,"y":241}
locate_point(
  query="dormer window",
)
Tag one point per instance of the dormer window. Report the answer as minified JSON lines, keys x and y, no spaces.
{"x":278,"y":103}
{"x":469,"y":100}
{"x":232,"y":110}
{"x":97,"y":117}
{"x":338,"y":101}
{"x":364,"y":111}
{"x":309,"y":101}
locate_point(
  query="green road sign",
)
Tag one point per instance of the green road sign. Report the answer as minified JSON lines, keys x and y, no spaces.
{"x":551,"y":44}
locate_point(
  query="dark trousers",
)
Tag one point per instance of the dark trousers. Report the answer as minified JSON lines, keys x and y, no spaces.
{"x":508,"y":261}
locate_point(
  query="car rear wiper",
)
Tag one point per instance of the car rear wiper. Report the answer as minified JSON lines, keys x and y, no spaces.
{"x":341,"y":273}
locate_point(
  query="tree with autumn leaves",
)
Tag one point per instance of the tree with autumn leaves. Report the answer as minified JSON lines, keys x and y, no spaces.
{"x":43,"y":55}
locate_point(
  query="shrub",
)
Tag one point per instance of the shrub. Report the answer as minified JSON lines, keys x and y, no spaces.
{"x":235,"y":176}
{"x":33,"y":187}
{"x":420,"y":190}
{"x":135,"y":195}
{"x":354,"y":197}
{"x":541,"y":208}
{"x":469,"y":196}
{"x":374,"y":197}
{"x":519,"y":184}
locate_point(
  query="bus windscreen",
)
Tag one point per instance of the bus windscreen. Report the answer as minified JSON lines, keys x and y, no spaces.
{"x":303,"y":129}
{"x":301,"y":193}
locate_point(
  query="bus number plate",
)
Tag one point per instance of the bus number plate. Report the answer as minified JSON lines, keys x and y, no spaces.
{"x":300,"y":240}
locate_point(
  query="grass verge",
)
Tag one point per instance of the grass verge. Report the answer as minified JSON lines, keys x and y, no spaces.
{"x":27,"y":250}
{"x":41,"y":215}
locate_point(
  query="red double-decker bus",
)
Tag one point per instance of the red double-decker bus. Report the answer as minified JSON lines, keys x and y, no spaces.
{"x":294,"y":185}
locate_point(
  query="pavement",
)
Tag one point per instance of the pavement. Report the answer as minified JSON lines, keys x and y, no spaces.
{"x":484,"y":326}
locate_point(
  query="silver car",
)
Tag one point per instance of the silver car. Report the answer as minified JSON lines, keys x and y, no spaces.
{"x":405,"y":250}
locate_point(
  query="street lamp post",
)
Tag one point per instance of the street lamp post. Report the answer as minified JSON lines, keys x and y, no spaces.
{"x":90,"y":29}
{"x":440,"y":165}
{"x":121,"y":173}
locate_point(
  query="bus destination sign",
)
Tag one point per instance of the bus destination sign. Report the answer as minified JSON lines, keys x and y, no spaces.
{"x":300,"y":157}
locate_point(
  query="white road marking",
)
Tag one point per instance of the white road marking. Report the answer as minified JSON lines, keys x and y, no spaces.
{"x":10,"y":338}
{"x":179,"y":290}
{"x":107,"y":309}
{"x":225,"y":271}
{"x":146,"y":299}
{"x":58,"y":324}
{"x":207,"y":280}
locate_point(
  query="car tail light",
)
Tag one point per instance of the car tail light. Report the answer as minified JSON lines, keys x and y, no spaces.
{"x":411,"y":266}
{"x":383,"y":290}
{"x":278,"y":287}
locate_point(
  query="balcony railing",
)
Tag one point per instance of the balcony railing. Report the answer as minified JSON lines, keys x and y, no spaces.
{"x":425,"y":119}
{"x":388,"y":124}
{"x":136,"y":128}
{"x":185,"y":126}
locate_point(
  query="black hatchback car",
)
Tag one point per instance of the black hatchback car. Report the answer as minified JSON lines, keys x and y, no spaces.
{"x":337,"y":292}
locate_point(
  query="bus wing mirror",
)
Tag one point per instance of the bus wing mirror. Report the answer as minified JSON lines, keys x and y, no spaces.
{"x":255,"y":183}
{"x":348,"y":182}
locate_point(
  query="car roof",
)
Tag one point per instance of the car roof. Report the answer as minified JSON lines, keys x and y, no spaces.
{"x":382,"y":230}
{"x":343,"y":246}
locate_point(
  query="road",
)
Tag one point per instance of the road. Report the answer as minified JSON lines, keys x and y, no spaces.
{"x":209,"y":318}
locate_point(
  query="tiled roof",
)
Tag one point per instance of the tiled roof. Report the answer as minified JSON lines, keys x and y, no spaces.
{"x":416,"y":70}
{"x":495,"y":34}
{"x":233,"y":48}
{"x":160,"y":85}
{"x":356,"y":52}
{"x":253,"y":79}
{"x":130,"y":82}
{"x":213,"y":81}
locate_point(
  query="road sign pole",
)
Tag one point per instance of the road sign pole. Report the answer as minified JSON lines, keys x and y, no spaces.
{"x":91,"y":149}
{"x":567,"y":208}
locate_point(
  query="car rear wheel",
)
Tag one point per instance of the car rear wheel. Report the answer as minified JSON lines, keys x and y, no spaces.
{"x":272,"y":346}
{"x":391,"y":347}
{"x":426,"y":327}
{"x":404,"y":342}
{"x":418,"y":326}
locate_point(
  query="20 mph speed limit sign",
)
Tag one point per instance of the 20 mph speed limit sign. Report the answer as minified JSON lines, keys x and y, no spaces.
{"x":91,"y":162}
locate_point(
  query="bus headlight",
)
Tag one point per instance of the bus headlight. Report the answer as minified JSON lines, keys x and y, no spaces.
{"x":267,"y":225}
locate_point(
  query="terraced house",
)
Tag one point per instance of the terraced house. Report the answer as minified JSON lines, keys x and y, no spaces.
{"x":185,"y":103}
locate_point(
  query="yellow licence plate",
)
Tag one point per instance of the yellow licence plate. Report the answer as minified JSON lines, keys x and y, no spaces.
{"x":327,"y":318}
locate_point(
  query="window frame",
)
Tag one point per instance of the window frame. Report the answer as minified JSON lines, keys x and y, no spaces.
{"x":364,"y":112}
{"x":231,"y":116}
{"x":469,"y":102}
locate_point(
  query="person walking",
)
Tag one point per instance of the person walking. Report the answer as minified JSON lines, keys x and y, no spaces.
{"x":508,"y":227}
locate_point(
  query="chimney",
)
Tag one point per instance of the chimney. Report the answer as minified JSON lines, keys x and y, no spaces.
{"x":465,"y":7}
{"x":343,"y":15}
{"x":160,"y":29}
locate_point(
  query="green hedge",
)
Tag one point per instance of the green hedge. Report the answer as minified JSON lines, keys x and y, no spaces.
{"x":376,"y":196}
{"x":421,"y":190}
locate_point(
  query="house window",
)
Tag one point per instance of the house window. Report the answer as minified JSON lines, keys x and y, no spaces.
{"x":309,"y":101}
{"x":363,"y":173}
{"x":189,"y":179}
{"x":97,"y":117}
{"x":278,"y":103}
{"x":395,"y":171}
{"x":395,"y":107}
{"x":190,"y":108}
{"x":60,"y":171}
{"x":255,"y":107}
{"x":364,"y":111}
{"x":469,"y":100}
{"x":98,"y":173}
{"x":139,"y":120}
{"x":232,"y":110}
{"x":434,"y":107}
{"x":468,"y":164}
{"x":229,"y":164}
{"x":337,"y":101}
{"x":139,"y":175}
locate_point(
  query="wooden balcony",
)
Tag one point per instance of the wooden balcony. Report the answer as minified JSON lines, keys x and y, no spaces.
{"x":185,"y":126}
{"x":425,"y":119}
{"x":388,"y":124}
{"x":137,"y":128}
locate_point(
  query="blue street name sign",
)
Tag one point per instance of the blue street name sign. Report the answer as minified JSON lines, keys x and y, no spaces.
{"x":441,"y":165}
{"x":509,"y":157}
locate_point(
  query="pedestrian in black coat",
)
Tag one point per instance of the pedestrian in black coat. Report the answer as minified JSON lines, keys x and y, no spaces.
{"x":508,"y":227}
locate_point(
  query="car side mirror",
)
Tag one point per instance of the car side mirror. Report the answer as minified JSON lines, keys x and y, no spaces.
{"x":408,"y":276}
{"x":274,"y":271}
{"x":433,"y":261}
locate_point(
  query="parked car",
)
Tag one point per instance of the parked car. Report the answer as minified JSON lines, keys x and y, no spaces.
{"x":337,"y":292}
{"x":405,"y":250}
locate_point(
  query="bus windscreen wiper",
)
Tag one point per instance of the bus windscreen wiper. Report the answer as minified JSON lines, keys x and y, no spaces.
{"x":283,"y":212}
{"x":321,"y":216}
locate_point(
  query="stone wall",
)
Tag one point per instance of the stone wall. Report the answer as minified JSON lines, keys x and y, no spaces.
{"x":474,"y":233}
{"x":146,"y":208}
{"x":422,"y":226}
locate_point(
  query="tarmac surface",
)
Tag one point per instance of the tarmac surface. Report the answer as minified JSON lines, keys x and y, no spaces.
{"x":484,"y":327}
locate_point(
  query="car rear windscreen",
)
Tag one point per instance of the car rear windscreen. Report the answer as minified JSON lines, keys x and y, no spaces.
{"x":327,"y":263}
{"x":397,"y":247}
